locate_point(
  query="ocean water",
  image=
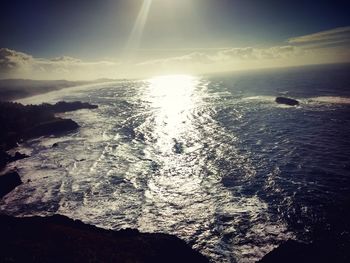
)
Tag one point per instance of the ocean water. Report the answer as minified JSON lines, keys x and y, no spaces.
{"x":211,"y":159}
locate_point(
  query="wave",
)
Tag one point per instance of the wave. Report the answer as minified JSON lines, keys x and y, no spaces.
{"x":260,"y":98}
{"x":330,"y":99}
{"x":313,"y":100}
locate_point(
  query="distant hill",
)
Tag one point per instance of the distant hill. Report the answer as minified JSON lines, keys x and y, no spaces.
{"x":14,"y":89}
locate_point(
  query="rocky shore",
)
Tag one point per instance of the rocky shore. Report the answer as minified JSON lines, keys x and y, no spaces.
{"x":8,"y":182}
{"x":60,"y":239}
{"x":20,"y":123}
{"x":316,"y":252}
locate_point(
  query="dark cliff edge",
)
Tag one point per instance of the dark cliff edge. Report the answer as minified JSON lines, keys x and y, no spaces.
{"x":60,"y":239}
{"x":316,"y":252}
{"x":20,"y":122}
{"x":8,"y":182}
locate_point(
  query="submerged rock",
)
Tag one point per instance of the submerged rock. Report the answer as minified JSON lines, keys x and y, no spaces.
{"x":8,"y":182}
{"x":60,"y":239}
{"x":178,"y":147}
{"x":287,"y":101}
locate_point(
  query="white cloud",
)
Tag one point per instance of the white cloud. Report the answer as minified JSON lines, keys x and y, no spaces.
{"x":250,"y":53}
{"x":191,"y":58}
{"x":315,"y":48}
{"x":228,"y":55}
{"x":14,"y":64}
{"x":340,"y":34}
{"x":10,"y":60}
{"x":66,"y":59}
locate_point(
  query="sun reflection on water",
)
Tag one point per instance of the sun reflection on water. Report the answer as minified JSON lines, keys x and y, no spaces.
{"x":174,"y":193}
{"x":172,"y":97}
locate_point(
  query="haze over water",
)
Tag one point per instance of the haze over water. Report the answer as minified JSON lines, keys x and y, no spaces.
{"x":211,"y":159}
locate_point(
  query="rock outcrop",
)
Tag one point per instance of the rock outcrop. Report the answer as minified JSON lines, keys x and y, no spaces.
{"x":60,"y":239}
{"x":18,"y":156}
{"x":63,"y":106}
{"x":54,"y":127}
{"x":287,"y":101}
{"x":20,"y":122}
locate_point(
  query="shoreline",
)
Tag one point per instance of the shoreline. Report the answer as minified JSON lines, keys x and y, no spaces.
{"x":290,"y":251}
{"x":27,"y":122}
{"x":60,"y":239}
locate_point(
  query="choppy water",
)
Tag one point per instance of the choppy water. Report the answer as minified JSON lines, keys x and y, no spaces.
{"x":212,"y":160}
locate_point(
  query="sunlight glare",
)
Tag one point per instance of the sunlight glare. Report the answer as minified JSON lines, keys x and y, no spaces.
{"x":173,"y":98}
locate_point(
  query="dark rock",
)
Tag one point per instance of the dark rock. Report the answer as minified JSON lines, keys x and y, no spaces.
{"x":60,"y":239}
{"x":53,"y":127}
{"x":63,"y":106}
{"x":178,"y":147}
{"x":20,"y":122}
{"x":8,"y":182}
{"x":287,"y":101}
{"x":18,"y":156}
{"x":4,"y":159}
{"x":55,"y":145}
{"x":318,"y":252}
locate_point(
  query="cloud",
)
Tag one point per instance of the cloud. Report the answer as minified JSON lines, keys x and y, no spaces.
{"x":224,"y":60}
{"x":66,"y":59}
{"x":14,"y":64}
{"x":11,"y":60}
{"x":322,"y":47}
{"x":250,"y":53}
{"x":228,"y":55}
{"x":337,"y":35}
{"x":191,"y":58}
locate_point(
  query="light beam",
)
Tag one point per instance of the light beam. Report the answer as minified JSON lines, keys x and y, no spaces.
{"x":137,"y":31}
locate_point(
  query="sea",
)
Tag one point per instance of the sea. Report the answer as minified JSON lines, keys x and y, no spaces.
{"x":212,"y":159}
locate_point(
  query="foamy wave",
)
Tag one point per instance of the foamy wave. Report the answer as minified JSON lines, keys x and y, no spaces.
{"x":330,"y":99}
{"x":261,"y":98}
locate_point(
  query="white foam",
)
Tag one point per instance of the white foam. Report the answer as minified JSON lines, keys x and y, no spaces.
{"x":261,"y":98}
{"x":330,"y":99}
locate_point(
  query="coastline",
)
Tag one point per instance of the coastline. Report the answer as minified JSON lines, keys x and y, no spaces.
{"x":291,"y":251}
{"x":58,"y":238}
{"x":21,"y":123}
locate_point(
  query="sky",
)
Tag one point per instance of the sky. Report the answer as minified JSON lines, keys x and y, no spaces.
{"x":85,"y":39}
